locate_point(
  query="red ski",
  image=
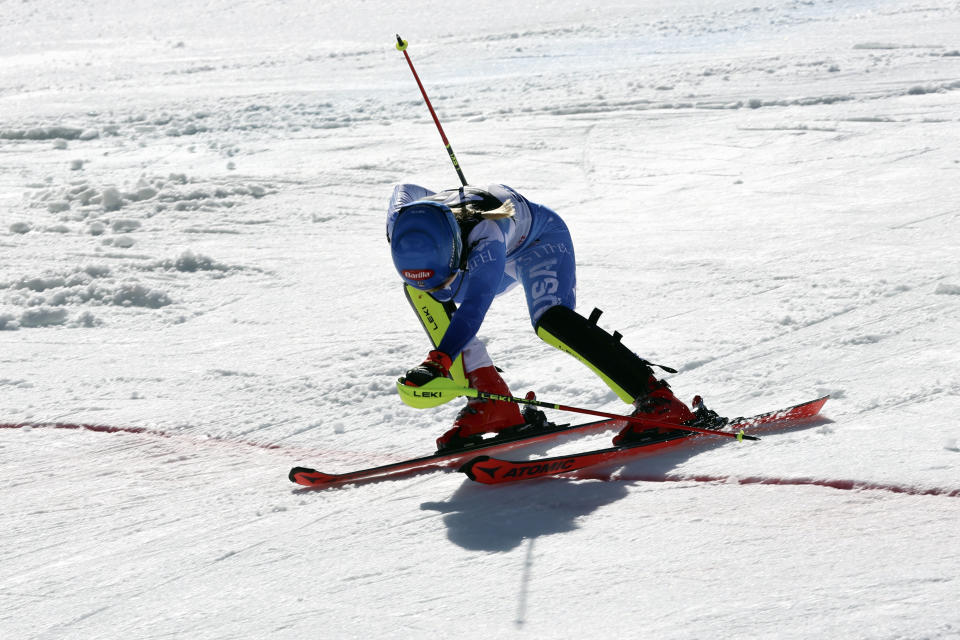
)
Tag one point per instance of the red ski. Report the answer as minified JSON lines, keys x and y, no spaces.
{"x":490,"y":470}
{"x":450,"y":459}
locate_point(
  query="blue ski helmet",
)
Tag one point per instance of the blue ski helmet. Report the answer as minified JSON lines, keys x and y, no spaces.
{"x":426,"y":244}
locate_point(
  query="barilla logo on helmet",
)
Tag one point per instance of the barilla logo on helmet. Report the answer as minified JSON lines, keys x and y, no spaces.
{"x":418,"y":274}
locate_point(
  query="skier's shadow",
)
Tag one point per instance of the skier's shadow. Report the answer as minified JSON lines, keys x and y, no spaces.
{"x":500,"y":517}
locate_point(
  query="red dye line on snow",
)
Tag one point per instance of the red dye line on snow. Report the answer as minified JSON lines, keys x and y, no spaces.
{"x":99,"y":428}
{"x":191,"y":438}
{"x":843,"y":485}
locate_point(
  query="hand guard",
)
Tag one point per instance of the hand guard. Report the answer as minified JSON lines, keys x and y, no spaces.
{"x":437,"y":365}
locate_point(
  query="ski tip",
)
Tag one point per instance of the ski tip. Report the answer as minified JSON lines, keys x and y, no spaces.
{"x":808,"y":409}
{"x":297,"y":471}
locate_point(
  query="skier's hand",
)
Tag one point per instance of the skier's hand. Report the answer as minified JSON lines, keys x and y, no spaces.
{"x":437,"y":365}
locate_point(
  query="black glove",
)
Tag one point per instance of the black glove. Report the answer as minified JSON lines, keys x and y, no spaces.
{"x":437,"y":365}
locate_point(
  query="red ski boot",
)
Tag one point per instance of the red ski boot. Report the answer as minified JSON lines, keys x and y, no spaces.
{"x":660,"y":405}
{"x":482,"y":416}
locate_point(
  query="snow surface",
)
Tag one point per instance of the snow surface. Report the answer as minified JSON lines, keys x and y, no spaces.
{"x":763,"y":194}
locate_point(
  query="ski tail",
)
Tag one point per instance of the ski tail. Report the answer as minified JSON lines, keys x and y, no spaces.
{"x":311,"y":477}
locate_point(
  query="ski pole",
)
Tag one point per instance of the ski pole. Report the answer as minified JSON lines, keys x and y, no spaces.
{"x":441,"y":390}
{"x":402,"y":46}
{"x":740,"y":435}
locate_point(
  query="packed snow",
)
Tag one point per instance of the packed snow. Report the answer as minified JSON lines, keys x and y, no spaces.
{"x":196,"y":294}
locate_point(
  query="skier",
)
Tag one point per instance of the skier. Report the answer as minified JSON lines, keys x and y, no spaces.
{"x":468,"y":245}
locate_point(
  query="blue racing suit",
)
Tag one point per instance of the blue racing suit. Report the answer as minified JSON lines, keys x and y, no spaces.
{"x":531,"y":247}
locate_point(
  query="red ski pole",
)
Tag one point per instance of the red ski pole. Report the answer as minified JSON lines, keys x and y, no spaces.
{"x":740,"y":435}
{"x":402,"y":46}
